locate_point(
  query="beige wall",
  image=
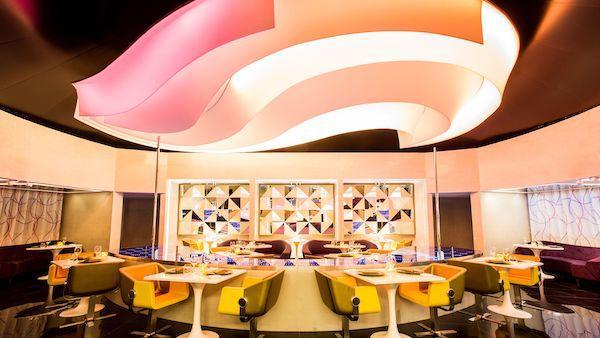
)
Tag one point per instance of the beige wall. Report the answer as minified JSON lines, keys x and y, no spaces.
{"x":504,"y":220}
{"x":563,"y":151}
{"x":86,"y":219}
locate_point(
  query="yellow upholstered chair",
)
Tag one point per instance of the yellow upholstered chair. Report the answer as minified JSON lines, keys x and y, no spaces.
{"x":253,"y":298}
{"x":196,"y":244}
{"x":395,"y":245}
{"x":342,"y":295}
{"x":148,"y":295}
{"x":220,"y":249}
{"x":58,"y":276}
{"x":437,"y":295}
{"x":526,"y":277}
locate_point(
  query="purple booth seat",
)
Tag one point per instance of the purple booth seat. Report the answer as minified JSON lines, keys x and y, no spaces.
{"x":315,"y":248}
{"x":578,"y":261}
{"x":279,"y":248}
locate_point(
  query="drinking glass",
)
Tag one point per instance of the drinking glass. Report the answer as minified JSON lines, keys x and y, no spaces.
{"x":390,"y":263}
{"x":493,"y":252}
{"x":97,"y":250}
{"x":77,"y":252}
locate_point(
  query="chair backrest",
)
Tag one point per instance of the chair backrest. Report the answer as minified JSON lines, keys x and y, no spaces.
{"x":274,"y":290}
{"x":92,"y":279}
{"x":278,"y":247}
{"x":324,"y":291}
{"x":454,"y":275}
{"x":367,"y":244}
{"x":135,"y":272}
{"x":316,"y":247}
{"x":479,"y":278}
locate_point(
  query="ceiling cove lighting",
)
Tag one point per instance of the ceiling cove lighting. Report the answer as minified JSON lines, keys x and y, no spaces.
{"x":264,"y":89}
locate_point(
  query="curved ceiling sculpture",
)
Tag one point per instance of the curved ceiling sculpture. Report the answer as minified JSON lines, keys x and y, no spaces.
{"x":235,"y":75}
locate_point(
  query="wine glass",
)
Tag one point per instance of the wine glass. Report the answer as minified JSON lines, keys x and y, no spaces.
{"x":77,"y":251}
{"x":97,"y":250}
{"x":390,"y":263}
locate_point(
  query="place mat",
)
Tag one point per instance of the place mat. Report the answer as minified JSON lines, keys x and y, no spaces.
{"x":219,"y":271}
{"x":93,"y":260}
{"x":409,"y":271}
{"x":370,"y":273}
{"x":345,"y":254}
{"x":497,"y":261}
{"x":174,"y":271}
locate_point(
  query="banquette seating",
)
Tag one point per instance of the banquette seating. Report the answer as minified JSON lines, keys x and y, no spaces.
{"x":15,"y":260}
{"x":279,"y":248}
{"x":578,"y":261}
{"x":316,"y":248}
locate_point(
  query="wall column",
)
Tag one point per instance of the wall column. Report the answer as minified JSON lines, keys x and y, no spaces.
{"x":478,"y":244}
{"x":116,"y":219}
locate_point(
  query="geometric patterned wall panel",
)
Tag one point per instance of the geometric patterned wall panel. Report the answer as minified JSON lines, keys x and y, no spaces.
{"x":296,"y":209}
{"x":379,"y":209}
{"x":222,"y":209}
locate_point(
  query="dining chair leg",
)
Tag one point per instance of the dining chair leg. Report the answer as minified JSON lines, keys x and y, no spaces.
{"x":434,"y":330}
{"x":50,"y":298}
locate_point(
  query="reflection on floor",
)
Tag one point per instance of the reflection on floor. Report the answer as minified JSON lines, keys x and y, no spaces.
{"x":584,"y":323}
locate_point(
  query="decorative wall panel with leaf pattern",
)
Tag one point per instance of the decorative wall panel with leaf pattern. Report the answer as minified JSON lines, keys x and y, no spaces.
{"x":379,"y":209}
{"x":291,"y":209}
{"x":214,"y":209}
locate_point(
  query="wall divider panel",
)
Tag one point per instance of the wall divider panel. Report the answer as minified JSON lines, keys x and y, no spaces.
{"x":379,"y":208}
{"x":214,"y":208}
{"x":296,"y":209}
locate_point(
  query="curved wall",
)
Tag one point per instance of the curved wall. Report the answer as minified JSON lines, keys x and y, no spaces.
{"x":560,"y":152}
{"x":564,"y":151}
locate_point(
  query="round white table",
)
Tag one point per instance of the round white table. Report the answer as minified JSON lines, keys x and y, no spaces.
{"x":296,"y":243}
{"x":55,"y":249}
{"x":254,"y":247}
{"x":537,"y":249}
{"x":506,"y":308}
{"x":390,"y":282}
{"x":197,"y":281}
{"x":343,"y":247}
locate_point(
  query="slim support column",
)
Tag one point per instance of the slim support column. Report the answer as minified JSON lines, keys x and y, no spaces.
{"x":116,"y":221}
{"x":155,"y":212}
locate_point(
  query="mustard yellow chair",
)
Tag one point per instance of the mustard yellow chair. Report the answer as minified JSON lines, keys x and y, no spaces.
{"x":395,"y":245}
{"x":148,"y":295}
{"x":437,"y":295}
{"x":57,"y":276}
{"x":482,"y":280}
{"x":526,"y":277}
{"x":253,"y":298}
{"x":220,"y":249}
{"x":342,"y":295}
{"x":196,"y":244}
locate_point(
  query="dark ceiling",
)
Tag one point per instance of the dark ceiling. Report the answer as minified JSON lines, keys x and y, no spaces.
{"x":47,"y":45}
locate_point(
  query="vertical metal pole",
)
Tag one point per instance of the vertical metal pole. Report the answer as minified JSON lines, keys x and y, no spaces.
{"x":438,"y":235}
{"x":154,"y":216}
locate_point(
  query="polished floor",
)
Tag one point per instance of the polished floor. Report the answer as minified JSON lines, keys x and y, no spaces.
{"x":583,"y":323}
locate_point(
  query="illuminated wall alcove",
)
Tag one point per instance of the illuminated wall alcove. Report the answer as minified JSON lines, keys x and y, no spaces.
{"x":288,"y":208}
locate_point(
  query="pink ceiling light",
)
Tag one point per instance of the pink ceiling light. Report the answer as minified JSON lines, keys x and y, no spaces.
{"x":258,"y":86}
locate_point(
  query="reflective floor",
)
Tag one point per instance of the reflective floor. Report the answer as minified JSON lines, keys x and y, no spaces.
{"x":584,"y":322}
